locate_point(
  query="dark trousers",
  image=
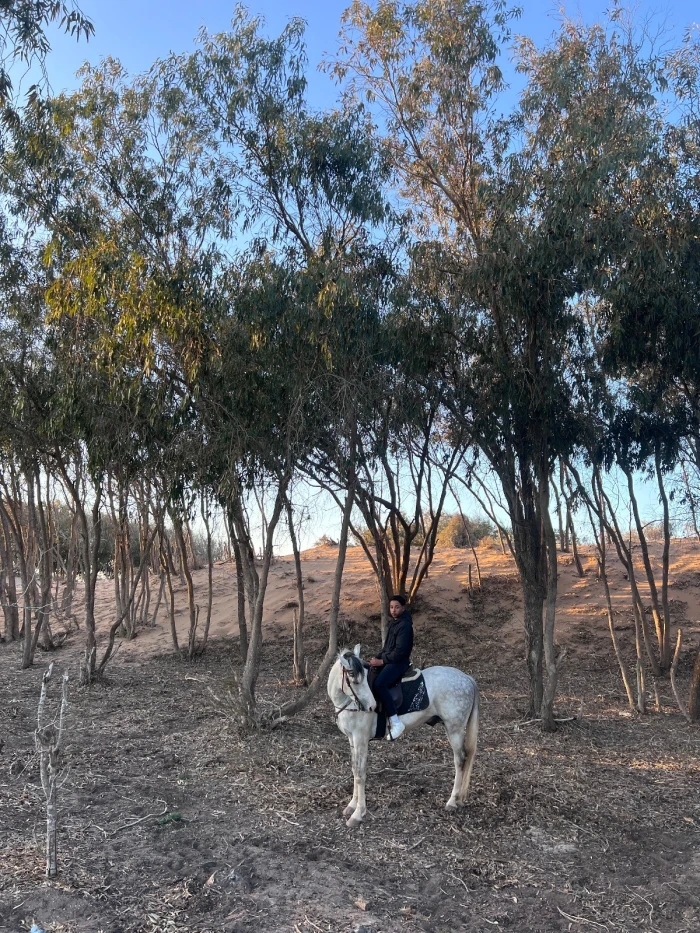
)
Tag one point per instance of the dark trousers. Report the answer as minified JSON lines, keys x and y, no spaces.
{"x":388,"y":675}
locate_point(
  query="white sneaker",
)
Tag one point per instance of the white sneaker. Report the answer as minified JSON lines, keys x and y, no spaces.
{"x":395,"y":730}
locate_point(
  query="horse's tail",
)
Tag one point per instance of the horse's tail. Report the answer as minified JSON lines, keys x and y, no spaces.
{"x":471,"y":734}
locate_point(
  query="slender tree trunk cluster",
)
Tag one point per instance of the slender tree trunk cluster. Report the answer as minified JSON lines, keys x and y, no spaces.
{"x":652,"y":621}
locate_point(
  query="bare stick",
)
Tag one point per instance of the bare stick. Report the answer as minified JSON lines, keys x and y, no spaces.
{"x":48,"y":743}
{"x":42,"y":696}
{"x":681,"y":705}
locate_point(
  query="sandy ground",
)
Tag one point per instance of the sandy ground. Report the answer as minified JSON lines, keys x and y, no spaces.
{"x":174,"y":820}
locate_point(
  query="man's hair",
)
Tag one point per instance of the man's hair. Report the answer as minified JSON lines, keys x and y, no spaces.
{"x":398,"y":599}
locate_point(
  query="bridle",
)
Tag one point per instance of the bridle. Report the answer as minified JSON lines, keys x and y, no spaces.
{"x":345,"y":679}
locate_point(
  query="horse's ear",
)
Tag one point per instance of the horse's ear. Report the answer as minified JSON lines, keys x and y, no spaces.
{"x":356,"y":649}
{"x":344,"y":662}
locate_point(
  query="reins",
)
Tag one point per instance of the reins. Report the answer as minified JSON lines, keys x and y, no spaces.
{"x":360,"y":705}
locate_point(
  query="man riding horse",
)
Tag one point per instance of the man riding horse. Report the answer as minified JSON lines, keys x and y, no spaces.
{"x":394,"y":660}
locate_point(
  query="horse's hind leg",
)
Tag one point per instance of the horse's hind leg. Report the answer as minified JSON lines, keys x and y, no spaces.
{"x":463,"y":741}
{"x":470,"y":739}
{"x":456,"y":736}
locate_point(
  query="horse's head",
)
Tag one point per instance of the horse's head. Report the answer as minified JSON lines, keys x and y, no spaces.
{"x":349,"y":678}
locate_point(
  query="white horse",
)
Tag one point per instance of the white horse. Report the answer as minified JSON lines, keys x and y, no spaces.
{"x":454,"y":699}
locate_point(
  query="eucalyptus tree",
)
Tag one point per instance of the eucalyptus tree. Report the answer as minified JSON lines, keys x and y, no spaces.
{"x":25,"y":377}
{"x":111,"y":177}
{"x":503,"y":243}
{"x":643,"y":312}
{"x":309,"y":189}
{"x":23,"y":38}
{"x":305,"y":190}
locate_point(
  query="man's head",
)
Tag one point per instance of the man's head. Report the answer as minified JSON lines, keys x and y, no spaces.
{"x":396,"y":606}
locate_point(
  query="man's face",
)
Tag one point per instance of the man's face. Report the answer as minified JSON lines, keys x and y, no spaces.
{"x":395,"y":608}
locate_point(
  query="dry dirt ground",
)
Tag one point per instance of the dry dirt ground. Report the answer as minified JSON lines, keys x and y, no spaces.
{"x":173,"y":820}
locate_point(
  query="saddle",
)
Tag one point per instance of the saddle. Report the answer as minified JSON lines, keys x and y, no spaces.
{"x":409,"y":696}
{"x":408,"y":699}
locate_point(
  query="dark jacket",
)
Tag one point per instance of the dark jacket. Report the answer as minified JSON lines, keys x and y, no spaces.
{"x":398,"y":643}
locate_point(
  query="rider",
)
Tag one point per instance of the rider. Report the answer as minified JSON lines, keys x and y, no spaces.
{"x":395,"y":660}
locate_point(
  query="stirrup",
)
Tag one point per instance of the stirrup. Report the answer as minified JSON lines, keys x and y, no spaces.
{"x":392,"y":735}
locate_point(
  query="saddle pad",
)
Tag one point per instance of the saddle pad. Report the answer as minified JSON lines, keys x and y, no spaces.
{"x":415,"y":696}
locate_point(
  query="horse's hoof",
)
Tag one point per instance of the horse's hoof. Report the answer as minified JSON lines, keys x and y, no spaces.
{"x":349,"y":810}
{"x":451,"y":805}
{"x":354,"y":821}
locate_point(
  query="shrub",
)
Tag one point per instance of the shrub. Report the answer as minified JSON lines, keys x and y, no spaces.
{"x":452,"y":532}
{"x":326,"y":541}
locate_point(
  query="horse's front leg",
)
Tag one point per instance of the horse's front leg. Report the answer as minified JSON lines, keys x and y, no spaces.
{"x":359,"y":770}
{"x":351,"y":807}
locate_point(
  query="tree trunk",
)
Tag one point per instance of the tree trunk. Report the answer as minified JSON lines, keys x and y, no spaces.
{"x":91,"y":564}
{"x":184,"y":564}
{"x":45,"y":564}
{"x":552,"y":662}
{"x":240,"y":592}
{"x":71,"y":568}
{"x":210,"y":572}
{"x":299,"y":661}
{"x":659,"y":622}
{"x":533,"y":601}
{"x":529,"y":549}
{"x":251,"y":581}
{"x":166,"y":564}
{"x":90,"y":559}
{"x":13,"y":516}
{"x":159,"y":598}
{"x":666,"y":644}
{"x":694,"y":704}
{"x":385,"y":616}
{"x":574,"y":545}
{"x":190,"y":539}
{"x":252,"y":666}
{"x":563,"y":525}
{"x":10,"y":605}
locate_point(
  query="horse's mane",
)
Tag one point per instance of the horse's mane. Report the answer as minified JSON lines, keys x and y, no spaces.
{"x":358,"y":666}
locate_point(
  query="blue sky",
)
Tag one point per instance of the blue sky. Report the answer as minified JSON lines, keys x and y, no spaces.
{"x":139,"y":31}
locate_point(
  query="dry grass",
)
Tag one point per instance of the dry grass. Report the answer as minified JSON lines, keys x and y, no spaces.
{"x":173,"y":820}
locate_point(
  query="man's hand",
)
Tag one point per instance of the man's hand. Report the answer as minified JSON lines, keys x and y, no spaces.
{"x":376,"y":662}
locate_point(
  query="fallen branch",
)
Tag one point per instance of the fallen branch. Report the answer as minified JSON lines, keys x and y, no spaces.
{"x":142,"y":819}
{"x":593,"y":923}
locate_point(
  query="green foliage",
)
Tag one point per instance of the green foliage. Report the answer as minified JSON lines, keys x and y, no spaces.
{"x":205,"y":284}
{"x":23,"y":34}
{"x":453,"y":534}
{"x":310,"y":181}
